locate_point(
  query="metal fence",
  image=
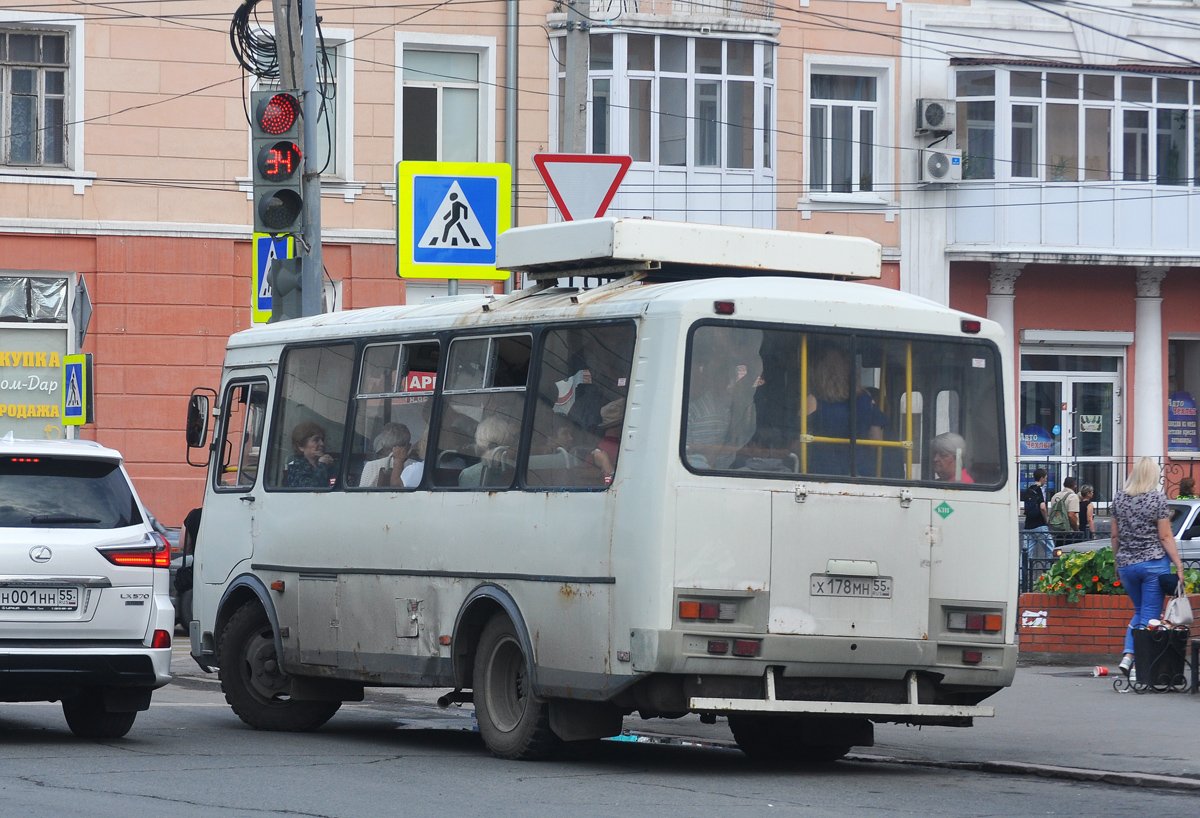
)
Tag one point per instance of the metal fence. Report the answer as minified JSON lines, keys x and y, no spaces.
{"x":1105,"y":475}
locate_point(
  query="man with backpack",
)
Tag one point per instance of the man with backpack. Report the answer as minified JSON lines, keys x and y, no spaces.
{"x":1037,"y":541}
{"x":1064,"y":508}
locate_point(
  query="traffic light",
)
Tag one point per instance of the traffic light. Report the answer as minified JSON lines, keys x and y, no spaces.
{"x":278,"y":162}
{"x":287,"y":289}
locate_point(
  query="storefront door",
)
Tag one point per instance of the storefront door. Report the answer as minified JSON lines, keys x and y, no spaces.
{"x":1071,"y":419}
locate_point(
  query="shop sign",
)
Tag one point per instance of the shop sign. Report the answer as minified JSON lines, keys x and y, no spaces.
{"x":1181,"y":423}
{"x":1036,"y":442}
{"x":31,"y":382}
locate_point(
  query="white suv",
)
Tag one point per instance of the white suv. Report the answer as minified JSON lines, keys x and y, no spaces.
{"x":85,"y":614}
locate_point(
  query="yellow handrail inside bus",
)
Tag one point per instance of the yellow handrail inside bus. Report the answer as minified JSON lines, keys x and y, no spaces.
{"x":803,"y":403}
{"x":908,"y":410}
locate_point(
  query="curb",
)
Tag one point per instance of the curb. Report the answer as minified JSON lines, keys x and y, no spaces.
{"x":1162,"y":782}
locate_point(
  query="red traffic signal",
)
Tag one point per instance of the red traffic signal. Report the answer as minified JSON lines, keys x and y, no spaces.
{"x":277,"y":114}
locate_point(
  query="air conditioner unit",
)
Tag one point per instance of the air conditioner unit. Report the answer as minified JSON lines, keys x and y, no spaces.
{"x":939,"y":167}
{"x":935,"y":116}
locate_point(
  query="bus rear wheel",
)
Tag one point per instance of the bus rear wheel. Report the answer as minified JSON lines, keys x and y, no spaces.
{"x":255,"y":686}
{"x":514,"y":723}
{"x":777,"y":739}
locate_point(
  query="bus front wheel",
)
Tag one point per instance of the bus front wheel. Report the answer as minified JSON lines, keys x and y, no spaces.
{"x":255,"y":686}
{"x":514,"y":723}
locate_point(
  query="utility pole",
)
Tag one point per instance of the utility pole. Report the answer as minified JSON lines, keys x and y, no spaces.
{"x":578,"y":54}
{"x":297,"y":26}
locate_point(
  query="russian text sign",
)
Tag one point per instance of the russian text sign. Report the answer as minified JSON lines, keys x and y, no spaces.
{"x":1181,"y":423}
{"x":448,"y":217}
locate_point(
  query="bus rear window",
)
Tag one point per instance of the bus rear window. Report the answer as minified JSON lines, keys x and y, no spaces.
{"x":57,"y":492}
{"x":865,"y":407}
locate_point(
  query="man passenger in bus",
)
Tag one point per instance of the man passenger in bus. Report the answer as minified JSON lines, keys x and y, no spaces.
{"x":492,"y":436}
{"x":828,"y":409}
{"x":726,"y":371}
{"x":311,"y":467}
{"x":393,"y":446}
{"x":948,"y":451}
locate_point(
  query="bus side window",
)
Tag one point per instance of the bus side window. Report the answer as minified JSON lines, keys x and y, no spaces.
{"x":483,"y":408}
{"x":310,"y":420}
{"x":243,"y":419}
{"x":391,"y":421}
{"x":580,"y":406}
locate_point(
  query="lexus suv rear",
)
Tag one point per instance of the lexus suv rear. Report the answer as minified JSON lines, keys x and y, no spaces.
{"x":85,"y":614}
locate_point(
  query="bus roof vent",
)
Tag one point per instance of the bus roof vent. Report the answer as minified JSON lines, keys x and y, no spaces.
{"x":680,"y":250}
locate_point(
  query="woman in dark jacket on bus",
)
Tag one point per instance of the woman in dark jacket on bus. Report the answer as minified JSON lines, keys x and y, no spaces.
{"x":1143,"y":547}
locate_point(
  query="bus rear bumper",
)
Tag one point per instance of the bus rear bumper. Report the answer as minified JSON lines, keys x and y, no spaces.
{"x":912,"y":710}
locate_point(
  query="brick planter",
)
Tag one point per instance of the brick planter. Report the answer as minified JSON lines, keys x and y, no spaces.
{"x":1094,"y":625}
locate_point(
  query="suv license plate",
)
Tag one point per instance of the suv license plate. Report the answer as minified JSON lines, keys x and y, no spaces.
{"x":39,"y":599}
{"x":872,"y":587}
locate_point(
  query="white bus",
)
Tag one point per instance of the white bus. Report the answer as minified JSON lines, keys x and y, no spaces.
{"x":717,"y":484}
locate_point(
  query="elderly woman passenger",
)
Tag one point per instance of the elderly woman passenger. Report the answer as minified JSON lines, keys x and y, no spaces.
{"x":393,"y":445}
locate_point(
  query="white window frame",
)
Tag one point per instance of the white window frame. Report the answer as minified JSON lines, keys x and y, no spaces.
{"x":73,"y":174}
{"x":485,"y":47}
{"x":339,"y":179}
{"x":881,"y":70}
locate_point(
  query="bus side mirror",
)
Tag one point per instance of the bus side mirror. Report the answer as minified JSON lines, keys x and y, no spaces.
{"x":196,"y":432}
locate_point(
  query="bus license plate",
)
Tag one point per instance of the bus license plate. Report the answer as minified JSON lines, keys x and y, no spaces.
{"x":39,"y":599}
{"x":873,"y":587}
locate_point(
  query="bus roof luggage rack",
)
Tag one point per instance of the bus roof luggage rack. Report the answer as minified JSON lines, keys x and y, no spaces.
{"x":680,"y":250}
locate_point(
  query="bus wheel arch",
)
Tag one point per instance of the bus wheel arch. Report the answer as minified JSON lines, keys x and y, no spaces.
{"x":244,"y":589}
{"x":483,"y":603}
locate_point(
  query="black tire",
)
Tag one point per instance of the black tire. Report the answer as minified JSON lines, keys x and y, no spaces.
{"x":87,"y":717}
{"x":514,"y":723}
{"x":776,"y":740}
{"x":255,"y":686}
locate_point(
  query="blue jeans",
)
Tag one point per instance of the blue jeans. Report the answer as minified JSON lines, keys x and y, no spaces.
{"x":1147,"y":584}
{"x":1038,"y":543}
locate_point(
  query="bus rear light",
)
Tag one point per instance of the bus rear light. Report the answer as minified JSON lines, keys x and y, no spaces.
{"x":971,"y":326}
{"x":723,"y":307}
{"x":712,"y":611}
{"x":746,"y":647}
{"x":161,"y":639}
{"x":154,"y":552}
{"x":718,"y":646}
{"x":978,"y":622}
{"x":728,"y":612}
{"x":689,"y":610}
{"x":972,"y":657}
{"x":709,"y":610}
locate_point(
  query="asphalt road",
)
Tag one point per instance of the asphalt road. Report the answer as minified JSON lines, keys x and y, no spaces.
{"x":397,"y":754}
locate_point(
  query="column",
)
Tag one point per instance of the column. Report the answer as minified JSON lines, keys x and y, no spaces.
{"x":1148,"y":395}
{"x":1002,"y":293}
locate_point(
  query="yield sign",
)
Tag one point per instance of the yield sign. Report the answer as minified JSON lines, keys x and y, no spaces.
{"x":582,"y":184}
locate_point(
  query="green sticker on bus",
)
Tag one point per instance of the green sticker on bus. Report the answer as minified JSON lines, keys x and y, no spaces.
{"x":944,"y":510}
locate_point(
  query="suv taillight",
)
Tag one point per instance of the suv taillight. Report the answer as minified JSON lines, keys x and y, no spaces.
{"x":154,"y":552}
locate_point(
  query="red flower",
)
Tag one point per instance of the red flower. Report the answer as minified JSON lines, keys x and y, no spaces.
{"x":1079,"y":586}
{"x":1116,"y":582}
{"x":1095,"y":579}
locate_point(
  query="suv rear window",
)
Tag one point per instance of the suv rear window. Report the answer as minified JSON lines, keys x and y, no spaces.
{"x":57,"y":492}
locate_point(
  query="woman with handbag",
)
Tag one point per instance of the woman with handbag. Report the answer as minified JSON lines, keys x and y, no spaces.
{"x":1143,"y":548}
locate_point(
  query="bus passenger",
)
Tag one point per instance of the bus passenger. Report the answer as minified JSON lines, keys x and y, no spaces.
{"x":829,"y":416}
{"x":948,"y":451}
{"x":311,"y":467}
{"x":492,"y":437}
{"x":726,"y":371}
{"x":604,"y":456}
{"x":393,"y":445}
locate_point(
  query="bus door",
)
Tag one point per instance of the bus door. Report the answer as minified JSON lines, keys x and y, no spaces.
{"x":850,"y":561}
{"x":230,"y":508}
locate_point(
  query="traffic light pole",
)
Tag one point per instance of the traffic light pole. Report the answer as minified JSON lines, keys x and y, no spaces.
{"x":313,"y":267}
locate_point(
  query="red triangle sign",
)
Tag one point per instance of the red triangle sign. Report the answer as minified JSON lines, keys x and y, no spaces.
{"x":581,"y":184}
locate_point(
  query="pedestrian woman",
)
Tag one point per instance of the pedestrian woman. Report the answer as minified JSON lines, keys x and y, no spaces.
{"x":1143,"y":547}
{"x":1087,"y":511}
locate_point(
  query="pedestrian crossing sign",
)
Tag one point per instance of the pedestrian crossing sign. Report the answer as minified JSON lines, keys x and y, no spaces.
{"x":449,"y":215}
{"x":75,"y":390}
{"x":265,"y":248}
